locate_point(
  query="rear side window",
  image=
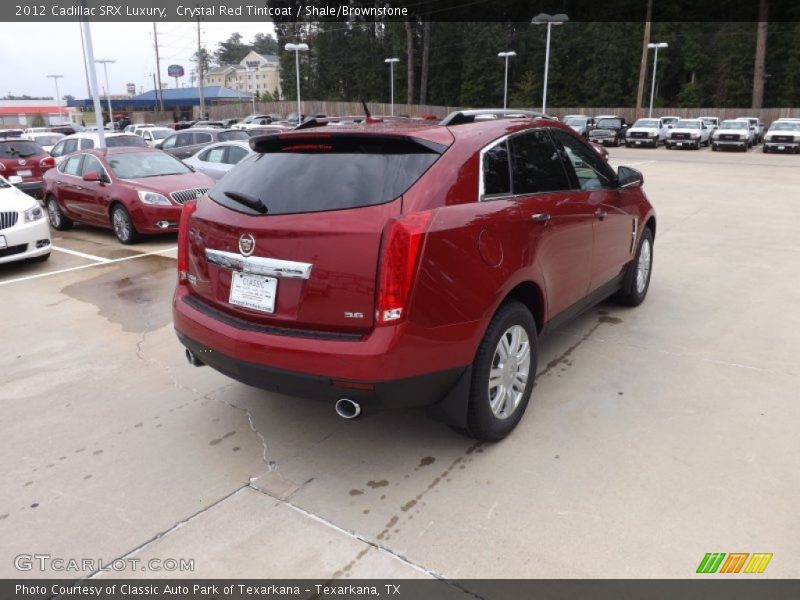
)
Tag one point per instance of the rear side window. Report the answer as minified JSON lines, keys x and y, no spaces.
{"x":235,"y":154}
{"x":202,"y":138}
{"x":535,"y":164}
{"x":496,"y":171}
{"x":72,"y":166}
{"x":87,"y":144}
{"x":228,"y":136}
{"x":302,"y":175}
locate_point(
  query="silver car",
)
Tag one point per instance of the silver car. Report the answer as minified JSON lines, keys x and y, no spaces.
{"x":217,"y":159}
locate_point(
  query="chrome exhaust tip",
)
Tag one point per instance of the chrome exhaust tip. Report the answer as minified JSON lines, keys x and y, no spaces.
{"x":347,"y":409}
{"x":193,"y":360}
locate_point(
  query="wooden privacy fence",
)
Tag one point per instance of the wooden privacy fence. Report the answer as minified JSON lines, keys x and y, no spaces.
{"x":239,"y":110}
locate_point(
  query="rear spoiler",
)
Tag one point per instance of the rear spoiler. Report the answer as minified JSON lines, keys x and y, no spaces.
{"x":333,"y":141}
{"x":345,"y":120}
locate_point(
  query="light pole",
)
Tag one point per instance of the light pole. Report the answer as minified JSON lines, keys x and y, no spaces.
{"x":655,"y":64}
{"x":391,"y":62}
{"x":506,"y":55}
{"x":297,"y":49}
{"x":252,"y":65}
{"x":104,"y":62}
{"x":55,"y":78}
{"x":549,"y":20}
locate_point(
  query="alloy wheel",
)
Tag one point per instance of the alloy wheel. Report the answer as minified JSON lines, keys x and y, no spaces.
{"x":509,"y":371}
{"x":643,"y":266}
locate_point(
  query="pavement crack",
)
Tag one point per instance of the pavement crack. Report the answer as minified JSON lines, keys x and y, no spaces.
{"x":162,"y":534}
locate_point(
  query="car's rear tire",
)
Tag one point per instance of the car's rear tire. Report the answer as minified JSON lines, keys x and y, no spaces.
{"x":123,"y":225}
{"x":637,"y":278}
{"x":57,"y":219}
{"x":502,"y":373}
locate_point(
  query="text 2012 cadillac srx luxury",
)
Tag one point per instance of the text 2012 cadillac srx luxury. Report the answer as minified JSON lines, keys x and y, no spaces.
{"x":396,"y":263}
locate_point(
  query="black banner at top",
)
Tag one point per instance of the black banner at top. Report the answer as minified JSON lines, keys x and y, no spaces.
{"x":397,"y":10}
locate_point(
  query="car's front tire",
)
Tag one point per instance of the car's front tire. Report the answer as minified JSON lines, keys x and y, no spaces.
{"x":637,"y":278}
{"x":123,"y":225}
{"x":57,"y":219}
{"x":502,"y":373}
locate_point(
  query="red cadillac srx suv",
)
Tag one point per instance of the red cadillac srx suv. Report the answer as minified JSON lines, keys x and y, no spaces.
{"x":399,"y":263}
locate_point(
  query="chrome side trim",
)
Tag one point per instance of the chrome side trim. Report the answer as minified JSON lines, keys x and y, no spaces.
{"x":259,"y":265}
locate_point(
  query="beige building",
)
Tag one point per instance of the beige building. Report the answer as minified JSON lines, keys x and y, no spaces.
{"x":255,"y":73}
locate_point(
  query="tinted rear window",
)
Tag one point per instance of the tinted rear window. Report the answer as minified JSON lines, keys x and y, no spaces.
{"x":124,"y":140}
{"x":297,"y":175}
{"x":228,"y":136}
{"x":20,"y":149}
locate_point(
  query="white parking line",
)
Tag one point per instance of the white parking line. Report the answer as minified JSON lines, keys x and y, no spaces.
{"x":81,"y":254}
{"x":97,"y":264}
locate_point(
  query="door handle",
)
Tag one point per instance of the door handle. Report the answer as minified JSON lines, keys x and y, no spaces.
{"x":78,"y":187}
{"x":600,"y":214}
{"x":541,"y":217}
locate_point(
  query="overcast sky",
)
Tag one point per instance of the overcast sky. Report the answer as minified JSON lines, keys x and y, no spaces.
{"x":31,"y":51}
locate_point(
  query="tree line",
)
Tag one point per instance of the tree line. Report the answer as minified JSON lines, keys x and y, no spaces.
{"x":591,"y":64}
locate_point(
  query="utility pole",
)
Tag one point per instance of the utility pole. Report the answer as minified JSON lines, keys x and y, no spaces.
{"x":643,"y":65}
{"x":761,"y":53}
{"x":104,"y":62}
{"x":55,"y":78}
{"x":98,"y":110}
{"x":200,"y":72}
{"x":159,"y":91}
{"x":85,"y":68}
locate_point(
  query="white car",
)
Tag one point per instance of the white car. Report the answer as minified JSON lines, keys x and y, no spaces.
{"x":86,"y":140}
{"x":733,"y":133}
{"x":153,"y":135}
{"x":24,"y":231}
{"x":688,"y":133}
{"x":217,"y":159}
{"x":646,"y":132}
{"x":254,"y":121}
{"x":137,"y":127}
{"x":31,"y":130}
{"x":783,"y":136}
{"x":46,"y":139}
{"x":670,"y":120}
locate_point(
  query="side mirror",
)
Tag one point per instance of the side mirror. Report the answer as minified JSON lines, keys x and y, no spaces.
{"x":191,"y":168}
{"x":91,"y":176}
{"x":14,"y":180}
{"x":628,"y":177}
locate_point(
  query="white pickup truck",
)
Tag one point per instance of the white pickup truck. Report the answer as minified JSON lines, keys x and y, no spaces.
{"x":646,"y":132}
{"x":688,"y":133}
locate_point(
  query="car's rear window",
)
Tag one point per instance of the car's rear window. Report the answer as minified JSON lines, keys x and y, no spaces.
{"x":301,"y":175}
{"x":21,"y":149}
{"x":118,"y":141}
{"x":229,"y":136}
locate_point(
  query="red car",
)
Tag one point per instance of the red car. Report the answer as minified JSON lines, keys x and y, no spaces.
{"x":407,"y":263}
{"x":132,"y":190}
{"x":26,"y":159}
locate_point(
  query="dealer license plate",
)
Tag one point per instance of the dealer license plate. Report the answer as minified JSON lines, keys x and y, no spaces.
{"x":255,"y":292}
{"x":3,"y":243}
{"x":781,"y":147}
{"x":638,"y":143}
{"x":24,"y":172}
{"x":679,"y":144}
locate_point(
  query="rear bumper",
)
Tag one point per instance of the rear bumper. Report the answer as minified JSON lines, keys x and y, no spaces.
{"x":394,"y":366}
{"x":422,"y":390}
{"x":32,"y":188}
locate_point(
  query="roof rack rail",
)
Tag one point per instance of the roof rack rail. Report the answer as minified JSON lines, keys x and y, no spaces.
{"x":470,"y":116}
{"x":346,"y":119}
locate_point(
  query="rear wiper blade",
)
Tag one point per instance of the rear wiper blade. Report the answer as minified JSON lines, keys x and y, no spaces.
{"x":249,"y":201}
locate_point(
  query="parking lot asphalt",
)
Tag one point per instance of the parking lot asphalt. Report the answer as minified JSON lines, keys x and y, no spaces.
{"x":655,"y":434}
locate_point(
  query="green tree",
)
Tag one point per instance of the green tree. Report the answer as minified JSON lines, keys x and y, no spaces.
{"x":231,"y":51}
{"x":264,"y":43}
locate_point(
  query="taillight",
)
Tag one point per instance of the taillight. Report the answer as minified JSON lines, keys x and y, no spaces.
{"x":402,"y":243}
{"x":48,"y":162}
{"x":183,"y":240}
